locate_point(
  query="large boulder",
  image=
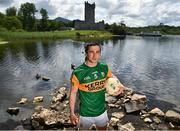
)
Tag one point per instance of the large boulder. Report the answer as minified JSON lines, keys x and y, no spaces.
{"x":172,"y":116}
{"x":157,"y":111}
{"x":137,"y":102}
{"x":13,"y":110}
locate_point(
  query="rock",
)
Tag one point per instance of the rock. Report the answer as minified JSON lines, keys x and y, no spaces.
{"x":113,"y":105}
{"x":138,"y":97}
{"x":143,"y":112}
{"x":145,"y":115}
{"x":138,"y":102}
{"x":153,"y":126}
{"x":23,"y":101}
{"x":171,"y":125}
{"x":118,"y":115}
{"x":49,"y":118}
{"x":133,"y":106}
{"x":126,"y":100}
{"x":37,"y":99}
{"x":20,"y":128}
{"x":126,"y":127}
{"x":147,"y":120}
{"x":59,"y":95}
{"x":128,"y":91}
{"x":13,"y":110}
{"x":113,"y":121}
{"x":162,"y":127}
{"x":110,"y":99}
{"x":38,"y":108}
{"x":172,"y":116}
{"x":45,"y":78}
{"x":157,"y":111}
{"x":156,"y":120}
{"x":93,"y":127}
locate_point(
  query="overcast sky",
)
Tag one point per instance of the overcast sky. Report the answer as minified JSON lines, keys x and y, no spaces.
{"x":132,"y":12}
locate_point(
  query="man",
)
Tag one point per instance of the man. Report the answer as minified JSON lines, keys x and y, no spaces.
{"x":89,"y":80}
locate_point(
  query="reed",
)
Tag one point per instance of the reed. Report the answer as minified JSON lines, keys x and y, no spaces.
{"x":9,"y":36}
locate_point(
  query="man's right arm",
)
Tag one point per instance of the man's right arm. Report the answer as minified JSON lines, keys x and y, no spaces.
{"x":72,"y":101}
{"x":73,"y":116}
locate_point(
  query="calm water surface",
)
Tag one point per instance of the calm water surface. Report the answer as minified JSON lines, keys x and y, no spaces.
{"x":148,"y":65}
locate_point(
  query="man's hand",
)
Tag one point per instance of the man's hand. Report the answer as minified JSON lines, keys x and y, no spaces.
{"x":120,"y":91}
{"x":74,"y":119}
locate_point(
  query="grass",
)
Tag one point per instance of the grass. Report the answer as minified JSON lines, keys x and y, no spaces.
{"x":73,"y":34}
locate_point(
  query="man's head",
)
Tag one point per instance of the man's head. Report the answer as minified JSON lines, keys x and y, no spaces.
{"x":93,"y":52}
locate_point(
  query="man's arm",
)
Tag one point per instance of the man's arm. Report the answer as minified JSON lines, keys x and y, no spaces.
{"x":74,"y":118}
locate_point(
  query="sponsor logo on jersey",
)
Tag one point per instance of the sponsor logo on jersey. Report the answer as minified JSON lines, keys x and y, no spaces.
{"x":87,"y":78}
{"x":103,"y":74}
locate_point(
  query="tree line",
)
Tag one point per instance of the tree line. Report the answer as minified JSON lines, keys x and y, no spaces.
{"x":24,"y":19}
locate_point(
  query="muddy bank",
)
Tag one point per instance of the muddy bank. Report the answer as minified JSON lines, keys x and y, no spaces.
{"x":131,"y":111}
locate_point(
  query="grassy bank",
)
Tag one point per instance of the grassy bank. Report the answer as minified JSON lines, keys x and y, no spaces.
{"x":9,"y":36}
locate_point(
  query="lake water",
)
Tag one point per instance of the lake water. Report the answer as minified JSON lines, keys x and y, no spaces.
{"x":149,"y":65}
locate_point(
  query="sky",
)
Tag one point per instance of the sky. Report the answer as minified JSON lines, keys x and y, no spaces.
{"x":134,"y":13}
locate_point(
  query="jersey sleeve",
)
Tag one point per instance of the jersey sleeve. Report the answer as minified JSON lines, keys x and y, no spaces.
{"x":109,"y":74}
{"x":74,"y":81}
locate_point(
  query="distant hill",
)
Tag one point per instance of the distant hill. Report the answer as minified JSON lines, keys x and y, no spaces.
{"x":62,"y":19}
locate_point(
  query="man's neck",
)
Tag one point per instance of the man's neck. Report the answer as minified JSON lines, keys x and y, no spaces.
{"x":90,"y":64}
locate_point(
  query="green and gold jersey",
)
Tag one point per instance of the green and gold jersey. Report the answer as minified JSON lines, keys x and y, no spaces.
{"x":90,"y":82}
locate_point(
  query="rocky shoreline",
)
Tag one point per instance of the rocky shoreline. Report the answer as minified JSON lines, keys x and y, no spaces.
{"x":126,"y":112}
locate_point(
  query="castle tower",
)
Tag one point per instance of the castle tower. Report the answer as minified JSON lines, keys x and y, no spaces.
{"x":89,"y":13}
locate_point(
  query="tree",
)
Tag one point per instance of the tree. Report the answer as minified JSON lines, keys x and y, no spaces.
{"x":12,"y":22}
{"x":11,"y":11}
{"x":27,"y":14}
{"x":1,"y":18}
{"x":43,"y":21}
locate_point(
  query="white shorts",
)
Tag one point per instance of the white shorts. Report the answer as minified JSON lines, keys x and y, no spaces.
{"x":86,"y":122}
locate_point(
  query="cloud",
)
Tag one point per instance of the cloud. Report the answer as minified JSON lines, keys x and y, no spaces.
{"x":132,"y":12}
{"x":6,"y":2}
{"x":46,"y":4}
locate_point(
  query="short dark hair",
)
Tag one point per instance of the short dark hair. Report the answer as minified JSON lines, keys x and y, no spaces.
{"x":86,"y":47}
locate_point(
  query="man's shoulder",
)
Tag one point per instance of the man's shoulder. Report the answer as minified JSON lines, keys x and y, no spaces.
{"x":102,"y":64}
{"x":79,"y":68}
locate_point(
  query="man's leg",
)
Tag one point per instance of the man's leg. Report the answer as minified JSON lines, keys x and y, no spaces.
{"x":102,"y":121}
{"x":85,"y":123}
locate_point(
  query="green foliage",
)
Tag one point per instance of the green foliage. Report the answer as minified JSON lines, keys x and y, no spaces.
{"x":78,"y":34}
{"x":27,"y":14}
{"x":116,"y":29}
{"x":3,"y":29}
{"x":1,"y":18}
{"x":43,"y":21}
{"x":11,"y":11}
{"x":12,"y":22}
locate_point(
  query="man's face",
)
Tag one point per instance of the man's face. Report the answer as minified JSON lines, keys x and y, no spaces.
{"x":93,"y":54}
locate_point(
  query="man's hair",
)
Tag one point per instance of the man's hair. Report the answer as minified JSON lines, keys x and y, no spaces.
{"x":86,"y":47}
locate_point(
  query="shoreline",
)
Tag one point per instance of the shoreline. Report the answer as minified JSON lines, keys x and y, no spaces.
{"x":134,"y":118}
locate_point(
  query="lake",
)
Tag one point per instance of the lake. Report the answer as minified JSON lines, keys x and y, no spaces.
{"x":149,"y":65}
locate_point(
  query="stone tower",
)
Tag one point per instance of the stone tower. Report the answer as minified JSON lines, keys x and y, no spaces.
{"x":89,"y":13}
{"x":89,"y":23}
